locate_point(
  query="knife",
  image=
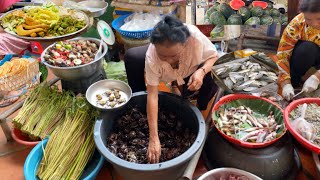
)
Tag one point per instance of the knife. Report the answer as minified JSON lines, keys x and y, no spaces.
{"x":298,"y":94}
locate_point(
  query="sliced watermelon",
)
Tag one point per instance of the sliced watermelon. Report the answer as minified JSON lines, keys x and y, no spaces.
{"x":237,"y":4}
{"x":262,"y":4}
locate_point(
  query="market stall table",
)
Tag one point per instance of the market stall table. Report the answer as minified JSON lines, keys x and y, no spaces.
{"x":309,"y":168}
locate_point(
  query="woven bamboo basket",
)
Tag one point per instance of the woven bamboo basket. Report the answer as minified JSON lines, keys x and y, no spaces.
{"x":20,"y":79}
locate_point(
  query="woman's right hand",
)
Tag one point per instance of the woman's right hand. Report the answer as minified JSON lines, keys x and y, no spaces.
{"x":154,"y":150}
{"x":287,"y":90}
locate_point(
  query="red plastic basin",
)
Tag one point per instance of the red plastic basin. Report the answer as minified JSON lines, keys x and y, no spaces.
{"x":21,"y":138}
{"x":293,"y":105}
{"x":233,"y":97}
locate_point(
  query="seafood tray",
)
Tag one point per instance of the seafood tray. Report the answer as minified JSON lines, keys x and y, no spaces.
{"x":256,"y":77}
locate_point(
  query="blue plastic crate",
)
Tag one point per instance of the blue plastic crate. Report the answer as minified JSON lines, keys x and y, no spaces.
{"x":117,"y":23}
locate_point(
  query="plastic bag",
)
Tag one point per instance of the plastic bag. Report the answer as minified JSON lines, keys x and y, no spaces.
{"x":116,"y":71}
{"x":304,"y":128}
{"x":139,"y":21}
{"x":217,"y":31}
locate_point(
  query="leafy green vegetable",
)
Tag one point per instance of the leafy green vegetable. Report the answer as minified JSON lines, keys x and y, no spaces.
{"x":10,"y":22}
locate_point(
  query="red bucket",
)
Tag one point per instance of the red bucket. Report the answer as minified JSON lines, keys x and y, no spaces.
{"x":293,"y":105}
{"x":21,"y":138}
{"x":229,"y":98}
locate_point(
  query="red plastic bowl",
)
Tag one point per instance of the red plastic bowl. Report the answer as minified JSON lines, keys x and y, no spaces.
{"x":293,"y":105}
{"x":233,"y":97}
{"x":21,"y":138}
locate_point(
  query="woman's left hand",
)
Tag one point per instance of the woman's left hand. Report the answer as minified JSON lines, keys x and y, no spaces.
{"x":196,"y":80}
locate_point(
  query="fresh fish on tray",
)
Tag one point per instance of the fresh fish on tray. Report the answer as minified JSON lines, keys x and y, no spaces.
{"x":245,"y":76}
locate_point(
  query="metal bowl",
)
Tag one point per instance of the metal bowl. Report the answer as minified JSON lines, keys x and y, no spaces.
{"x":95,"y":7}
{"x":101,"y":86}
{"x":78,"y":72}
{"x":223,"y":173}
{"x":53,"y":38}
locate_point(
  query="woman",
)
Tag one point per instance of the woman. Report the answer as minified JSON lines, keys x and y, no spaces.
{"x":299,"y":50}
{"x":178,"y":53}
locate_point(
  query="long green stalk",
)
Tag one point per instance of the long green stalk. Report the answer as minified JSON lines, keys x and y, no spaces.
{"x":71,"y":145}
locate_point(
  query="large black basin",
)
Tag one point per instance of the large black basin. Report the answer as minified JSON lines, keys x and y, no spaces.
{"x":169,"y":170}
{"x":275,"y":162}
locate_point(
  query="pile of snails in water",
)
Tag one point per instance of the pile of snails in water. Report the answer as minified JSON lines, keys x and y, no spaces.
{"x":111,"y":98}
{"x":130,"y":136}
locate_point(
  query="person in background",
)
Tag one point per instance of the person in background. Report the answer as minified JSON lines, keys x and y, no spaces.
{"x":6,"y":4}
{"x":178,"y":53}
{"x":299,"y":50}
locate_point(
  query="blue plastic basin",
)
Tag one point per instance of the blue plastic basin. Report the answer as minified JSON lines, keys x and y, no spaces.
{"x":33,"y":160}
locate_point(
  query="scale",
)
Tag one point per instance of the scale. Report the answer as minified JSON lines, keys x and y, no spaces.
{"x":277,"y":161}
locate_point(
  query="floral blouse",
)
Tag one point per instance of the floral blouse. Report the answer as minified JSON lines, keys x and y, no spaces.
{"x":296,"y":30}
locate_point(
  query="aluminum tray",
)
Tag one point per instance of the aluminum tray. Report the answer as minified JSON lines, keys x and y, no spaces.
{"x":220,"y":83}
{"x":54,"y":38}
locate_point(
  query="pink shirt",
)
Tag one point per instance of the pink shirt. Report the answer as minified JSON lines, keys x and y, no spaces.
{"x":198,"y":49}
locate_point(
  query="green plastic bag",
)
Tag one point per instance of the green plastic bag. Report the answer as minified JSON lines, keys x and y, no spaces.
{"x":116,"y":71}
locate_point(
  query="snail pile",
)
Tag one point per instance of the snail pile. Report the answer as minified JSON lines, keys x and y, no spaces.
{"x":130,"y":136}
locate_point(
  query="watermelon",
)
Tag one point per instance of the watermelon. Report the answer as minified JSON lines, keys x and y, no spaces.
{"x":210,"y":11}
{"x":266,"y":11}
{"x":284,"y":19}
{"x":274,"y":12}
{"x":270,"y":5}
{"x":216,"y":6}
{"x":217,"y":31}
{"x":236,"y":4}
{"x":235,"y":19}
{"x":276,"y":20}
{"x":226,"y":10}
{"x":253,"y":21}
{"x":217,"y":18}
{"x":245,"y":13}
{"x":266,"y":20}
{"x":256,"y":11}
{"x":261,"y":4}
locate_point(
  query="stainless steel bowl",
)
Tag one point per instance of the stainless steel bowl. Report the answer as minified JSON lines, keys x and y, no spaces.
{"x":95,"y":7}
{"x":78,"y":72}
{"x":223,"y":173}
{"x":100,"y":87}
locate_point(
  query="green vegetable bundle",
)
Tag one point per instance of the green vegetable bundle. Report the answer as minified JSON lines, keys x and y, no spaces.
{"x":71,"y":145}
{"x":42,"y":111}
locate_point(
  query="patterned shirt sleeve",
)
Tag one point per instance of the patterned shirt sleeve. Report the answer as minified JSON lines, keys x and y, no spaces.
{"x":290,"y":37}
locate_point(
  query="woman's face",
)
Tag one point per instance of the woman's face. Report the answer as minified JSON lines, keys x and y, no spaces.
{"x":313,"y":19}
{"x":168,"y":51}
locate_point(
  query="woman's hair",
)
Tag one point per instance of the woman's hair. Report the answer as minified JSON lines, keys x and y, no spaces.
{"x":312,"y":6}
{"x":170,"y":29}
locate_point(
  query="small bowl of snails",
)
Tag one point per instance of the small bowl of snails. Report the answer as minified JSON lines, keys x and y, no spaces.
{"x":108,"y":94}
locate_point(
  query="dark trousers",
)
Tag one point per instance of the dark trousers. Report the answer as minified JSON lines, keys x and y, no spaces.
{"x":305,"y":55}
{"x":135,"y":61}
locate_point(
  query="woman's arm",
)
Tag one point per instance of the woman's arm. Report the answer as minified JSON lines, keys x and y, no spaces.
{"x":154,"y":149}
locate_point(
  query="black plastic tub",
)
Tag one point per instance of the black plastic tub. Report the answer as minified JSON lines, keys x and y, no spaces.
{"x":169,"y":170}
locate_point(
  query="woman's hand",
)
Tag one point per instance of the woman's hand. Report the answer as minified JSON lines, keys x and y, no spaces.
{"x":196,"y":80}
{"x":154,"y":150}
